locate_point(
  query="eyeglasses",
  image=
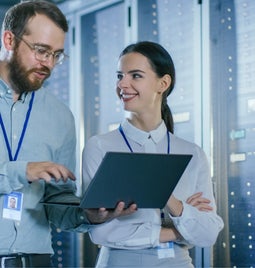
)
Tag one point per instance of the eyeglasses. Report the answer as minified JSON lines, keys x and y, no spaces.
{"x":43,"y":54}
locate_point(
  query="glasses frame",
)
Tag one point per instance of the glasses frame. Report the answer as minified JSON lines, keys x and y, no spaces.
{"x":47,"y":54}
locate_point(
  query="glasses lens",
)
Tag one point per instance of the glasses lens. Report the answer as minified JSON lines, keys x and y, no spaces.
{"x":59,"y":58}
{"x":43,"y":54}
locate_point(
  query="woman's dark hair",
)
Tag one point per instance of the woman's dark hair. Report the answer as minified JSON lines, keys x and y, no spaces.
{"x":162,"y":63}
{"x":17,"y":17}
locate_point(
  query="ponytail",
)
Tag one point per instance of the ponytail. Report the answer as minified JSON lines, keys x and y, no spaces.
{"x":166,"y":114}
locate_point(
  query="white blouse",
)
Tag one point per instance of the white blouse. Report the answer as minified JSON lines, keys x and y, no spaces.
{"x":141,"y":229}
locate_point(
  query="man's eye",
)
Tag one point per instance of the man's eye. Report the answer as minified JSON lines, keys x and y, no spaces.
{"x":135,"y":75}
{"x":119,"y":76}
{"x":57,"y":55}
{"x":41,"y":50}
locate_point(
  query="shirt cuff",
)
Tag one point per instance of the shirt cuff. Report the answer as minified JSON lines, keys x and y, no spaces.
{"x":17,"y":170}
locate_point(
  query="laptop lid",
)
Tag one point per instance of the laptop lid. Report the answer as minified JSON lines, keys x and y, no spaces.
{"x":142,"y":178}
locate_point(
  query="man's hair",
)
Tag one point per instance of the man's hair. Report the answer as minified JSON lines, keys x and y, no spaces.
{"x":17,"y":17}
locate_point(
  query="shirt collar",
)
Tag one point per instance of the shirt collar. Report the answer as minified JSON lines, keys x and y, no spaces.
{"x":141,"y":136}
{"x":6,"y":92}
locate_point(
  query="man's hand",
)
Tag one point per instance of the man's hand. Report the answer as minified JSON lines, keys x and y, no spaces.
{"x":96,"y":216}
{"x":47,"y":171}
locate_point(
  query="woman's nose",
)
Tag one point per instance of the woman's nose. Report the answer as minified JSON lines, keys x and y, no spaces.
{"x":123,"y":82}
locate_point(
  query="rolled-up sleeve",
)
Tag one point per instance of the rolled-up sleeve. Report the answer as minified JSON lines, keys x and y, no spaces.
{"x":198,"y":228}
{"x":129,"y":234}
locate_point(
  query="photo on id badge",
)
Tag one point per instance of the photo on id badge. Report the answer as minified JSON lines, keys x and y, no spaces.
{"x":12,"y":206}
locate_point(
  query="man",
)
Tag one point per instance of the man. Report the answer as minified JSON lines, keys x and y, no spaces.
{"x":37,"y":138}
{"x":12,"y":202}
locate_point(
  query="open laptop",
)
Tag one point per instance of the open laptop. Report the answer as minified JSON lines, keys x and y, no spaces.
{"x":145,"y":179}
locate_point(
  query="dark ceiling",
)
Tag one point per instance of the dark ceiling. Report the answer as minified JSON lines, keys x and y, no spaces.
{"x":13,"y":2}
{"x":8,"y":2}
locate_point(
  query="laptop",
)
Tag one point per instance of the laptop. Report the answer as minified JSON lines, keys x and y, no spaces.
{"x":145,"y":179}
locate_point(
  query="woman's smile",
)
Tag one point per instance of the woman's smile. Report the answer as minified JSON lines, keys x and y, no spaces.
{"x":128,"y":96}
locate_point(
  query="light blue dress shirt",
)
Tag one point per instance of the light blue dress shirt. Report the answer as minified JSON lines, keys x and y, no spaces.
{"x":50,"y":136}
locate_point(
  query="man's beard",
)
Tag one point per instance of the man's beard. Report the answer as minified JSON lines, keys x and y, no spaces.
{"x":19,"y":76}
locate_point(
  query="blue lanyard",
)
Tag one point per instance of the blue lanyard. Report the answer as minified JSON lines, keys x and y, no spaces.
{"x":11,"y":158}
{"x":129,"y":146}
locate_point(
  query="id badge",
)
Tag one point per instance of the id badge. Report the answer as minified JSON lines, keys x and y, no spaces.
{"x":166,"y":250}
{"x":12,"y":208}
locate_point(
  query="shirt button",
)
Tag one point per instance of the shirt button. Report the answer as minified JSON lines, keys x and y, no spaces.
{"x":14,"y":136}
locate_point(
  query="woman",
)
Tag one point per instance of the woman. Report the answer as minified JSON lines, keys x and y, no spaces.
{"x":146,"y":76}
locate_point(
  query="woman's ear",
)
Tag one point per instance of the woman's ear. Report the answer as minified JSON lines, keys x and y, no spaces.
{"x":165,"y":83}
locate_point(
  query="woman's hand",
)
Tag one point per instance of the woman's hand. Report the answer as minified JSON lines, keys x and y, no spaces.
{"x":201,"y":203}
{"x":175,"y":206}
{"x":169,"y":234}
{"x":96,"y":216}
